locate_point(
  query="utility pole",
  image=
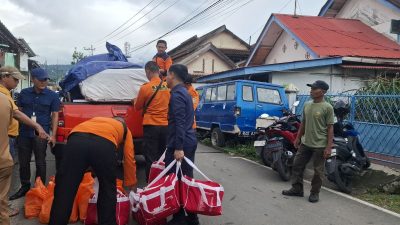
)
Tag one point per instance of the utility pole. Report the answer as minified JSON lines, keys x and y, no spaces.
{"x":127,"y":47}
{"x":90,"y":49}
{"x":295,"y":7}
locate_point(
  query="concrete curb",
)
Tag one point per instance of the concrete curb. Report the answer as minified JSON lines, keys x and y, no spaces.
{"x":335,"y":192}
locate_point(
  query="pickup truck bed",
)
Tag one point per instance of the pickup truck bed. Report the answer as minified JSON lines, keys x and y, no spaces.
{"x":73,"y":113}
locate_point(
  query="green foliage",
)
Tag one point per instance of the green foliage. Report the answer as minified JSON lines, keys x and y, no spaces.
{"x":377,"y":109}
{"x":77,"y":56}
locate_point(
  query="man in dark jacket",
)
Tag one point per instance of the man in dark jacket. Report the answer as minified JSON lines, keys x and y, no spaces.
{"x":181,"y":135}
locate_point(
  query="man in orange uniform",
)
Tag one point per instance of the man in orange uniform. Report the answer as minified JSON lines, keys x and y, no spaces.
{"x":94,"y":144}
{"x":195,"y":95}
{"x":162,"y":59}
{"x":155,"y":121}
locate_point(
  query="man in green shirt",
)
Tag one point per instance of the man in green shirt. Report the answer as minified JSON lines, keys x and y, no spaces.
{"x":315,"y":138}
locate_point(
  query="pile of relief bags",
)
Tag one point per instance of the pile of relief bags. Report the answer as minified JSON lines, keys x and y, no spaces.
{"x":162,"y":197}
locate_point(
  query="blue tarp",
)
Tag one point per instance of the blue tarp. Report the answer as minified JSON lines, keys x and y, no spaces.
{"x":91,"y":65}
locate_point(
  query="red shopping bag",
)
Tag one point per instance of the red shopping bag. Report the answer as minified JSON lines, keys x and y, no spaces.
{"x":122,"y":208}
{"x":156,"y":168}
{"x":201,"y":197}
{"x":158,"y":200}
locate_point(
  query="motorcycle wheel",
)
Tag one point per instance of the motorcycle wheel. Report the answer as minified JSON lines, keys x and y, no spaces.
{"x":282,"y":168}
{"x":343,"y":182}
{"x":266,"y":158}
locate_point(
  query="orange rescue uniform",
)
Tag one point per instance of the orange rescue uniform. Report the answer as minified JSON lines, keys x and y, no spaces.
{"x":195,"y":97}
{"x":157,"y":112}
{"x":162,"y":63}
{"x":113,"y":131}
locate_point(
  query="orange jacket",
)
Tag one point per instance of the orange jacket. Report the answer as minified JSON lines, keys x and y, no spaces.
{"x":157,"y":112}
{"x":195,"y":97}
{"x":163,"y":64}
{"x":113,"y":131}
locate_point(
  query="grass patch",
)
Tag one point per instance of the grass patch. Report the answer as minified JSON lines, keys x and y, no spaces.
{"x":387,"y":201}
{"x":245,"y":150}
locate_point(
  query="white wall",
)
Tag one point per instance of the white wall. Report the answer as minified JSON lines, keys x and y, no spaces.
{"x":225,"y":40}
{"x":340,"y":80}
{"x":197,"y":64}
{"x":371,"y":12}
{"x":277,"y":55}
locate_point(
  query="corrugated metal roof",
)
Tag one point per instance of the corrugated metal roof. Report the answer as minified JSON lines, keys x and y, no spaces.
{"x":329,"y":37}
{"x":364,"y":67}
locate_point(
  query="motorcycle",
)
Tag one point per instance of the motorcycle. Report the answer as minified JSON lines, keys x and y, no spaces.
{"x":347,"y":158}
{"x":275,"y":142}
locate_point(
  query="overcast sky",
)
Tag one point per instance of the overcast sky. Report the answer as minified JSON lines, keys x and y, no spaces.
{"x":53,"y":28}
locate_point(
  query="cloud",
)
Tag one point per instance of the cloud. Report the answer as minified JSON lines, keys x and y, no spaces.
{"x":54,"y":28}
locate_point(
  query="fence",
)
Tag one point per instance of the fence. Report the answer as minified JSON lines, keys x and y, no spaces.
{"x":376,"y":118}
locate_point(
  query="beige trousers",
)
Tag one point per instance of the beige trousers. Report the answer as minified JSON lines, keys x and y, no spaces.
{"x":5,"y":183}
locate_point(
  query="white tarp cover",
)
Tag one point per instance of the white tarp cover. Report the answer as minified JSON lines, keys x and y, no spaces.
{"x":113,"y":85}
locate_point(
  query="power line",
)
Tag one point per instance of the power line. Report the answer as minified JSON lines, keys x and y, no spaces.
{"x":206,"y":16}
{"x":138,"y":19}
{"x":178,"y":26}
{"x":163,"y":11}
{"x":127,"y":21}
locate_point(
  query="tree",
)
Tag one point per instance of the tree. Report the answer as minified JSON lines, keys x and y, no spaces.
{"x":77,"y":56}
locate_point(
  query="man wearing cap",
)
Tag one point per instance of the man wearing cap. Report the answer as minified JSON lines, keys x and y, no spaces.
{"x":315,"y":138}
{"x":9,"y":79}
{"x":41,"y":105}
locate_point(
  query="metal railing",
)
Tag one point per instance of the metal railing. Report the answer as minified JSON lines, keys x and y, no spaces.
{"x":376,"y":118}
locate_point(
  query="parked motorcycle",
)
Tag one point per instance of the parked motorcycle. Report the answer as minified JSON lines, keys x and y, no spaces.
{"x":275,"y":142}
{"x":347,"y":158}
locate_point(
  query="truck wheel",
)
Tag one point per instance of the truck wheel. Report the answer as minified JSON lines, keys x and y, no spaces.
{"x":217,"y":137}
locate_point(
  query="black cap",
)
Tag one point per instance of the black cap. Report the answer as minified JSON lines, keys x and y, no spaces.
{"x":319,"y":84}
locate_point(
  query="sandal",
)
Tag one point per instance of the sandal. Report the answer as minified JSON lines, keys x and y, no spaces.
{"x":13,"y":212}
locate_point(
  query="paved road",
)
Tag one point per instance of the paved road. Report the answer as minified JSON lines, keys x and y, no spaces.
{"x":253,"y":197}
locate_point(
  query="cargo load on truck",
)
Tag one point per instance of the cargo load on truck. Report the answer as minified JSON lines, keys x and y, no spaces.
{"x":113,"y":85}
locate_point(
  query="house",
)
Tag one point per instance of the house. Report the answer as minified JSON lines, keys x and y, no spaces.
{"x":346,"y":53}
{"x":375,"y":13}
{"x":16,"y":52}
{"x":216,"y":51}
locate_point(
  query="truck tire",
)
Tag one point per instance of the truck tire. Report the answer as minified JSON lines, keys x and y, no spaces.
{"x":217,"y":137}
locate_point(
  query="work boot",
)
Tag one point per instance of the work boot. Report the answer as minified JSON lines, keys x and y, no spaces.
{"x":314,"y":197}
{"x":293,"y":192}
{"x":20,"y":193}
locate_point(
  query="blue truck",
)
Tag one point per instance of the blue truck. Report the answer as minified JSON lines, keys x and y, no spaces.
{"x":230,"y":109}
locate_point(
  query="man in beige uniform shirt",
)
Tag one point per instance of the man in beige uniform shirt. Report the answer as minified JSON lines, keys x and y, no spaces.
{"x":6,"y":162}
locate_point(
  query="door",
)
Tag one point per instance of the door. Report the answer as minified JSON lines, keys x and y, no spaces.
{"x":246,"y":101}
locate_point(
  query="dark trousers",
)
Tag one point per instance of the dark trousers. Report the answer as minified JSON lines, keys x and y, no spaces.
{"x":26,"y":146}
{"x":186,"y":170}
{"x":82,"y":151}
{"x":154,"y":144}
{"x":303,"y":156}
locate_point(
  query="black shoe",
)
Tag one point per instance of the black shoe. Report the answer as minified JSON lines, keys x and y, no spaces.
{"x":314,"y":197}
{"x":20,"y":193}
{"x":177,"y":221}
{"x":293,"y":192}
{"x":192,"y":220}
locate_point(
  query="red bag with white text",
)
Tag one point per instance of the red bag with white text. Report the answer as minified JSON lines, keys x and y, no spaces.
{"x":201,"y":197}
{"x":156,"y":168}
{"x":122,"y":208}
{"x":158,"y":200}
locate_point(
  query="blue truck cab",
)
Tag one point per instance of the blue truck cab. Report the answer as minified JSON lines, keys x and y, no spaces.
{"x":230,"y":109}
